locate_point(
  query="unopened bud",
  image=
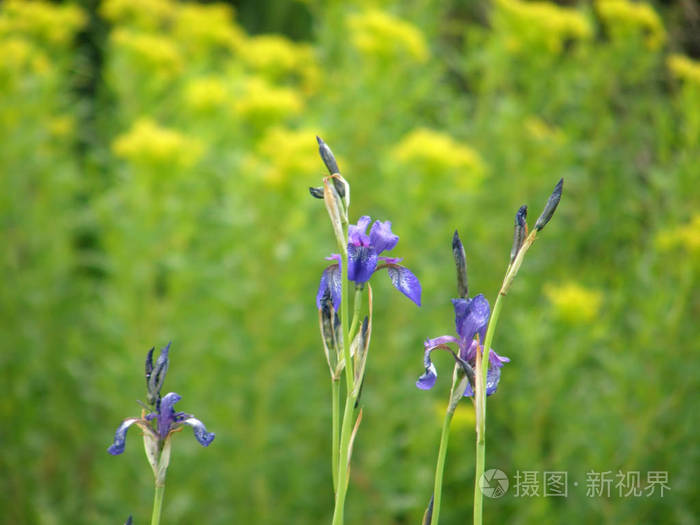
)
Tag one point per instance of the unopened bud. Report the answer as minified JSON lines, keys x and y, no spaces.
{"x":461,"y":265}
{"x":550,"y":207}
{"x":316,"y":192}
{"x":328,"y":158}
{"x":520,"y":232}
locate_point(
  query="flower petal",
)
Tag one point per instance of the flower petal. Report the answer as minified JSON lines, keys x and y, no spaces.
{"x":390,"y":260}
{"x":493,"y":376}
{"x":431,"y":344}
{"x":120,"y":436}
{"x":331,"y":280}
{"x":357,"y":233}
{"x":405,"y":282}
{"x":362,"y":261}
{"x":428,"y":379}
{"x":166,"y":413}
{"x":497,"y":360}
{"x":471,"y":317}
{"x":200,"y":431}
{"x":381,"y":237}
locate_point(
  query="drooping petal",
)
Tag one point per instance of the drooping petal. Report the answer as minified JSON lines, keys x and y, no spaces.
{"x":405,"y":282}
{"x":119,"y":443}
{"x":493,"y":376}
{"x":471,"y":317}
{"x":362,"y":261}
{"x":357,"y":232}
{"x":381,"y":237}
{"x":166,"y":413}
{"x":200,"y":431}
{"x":331,"y":280}
{"x":496,"y":360}
{"x":427,"y":380}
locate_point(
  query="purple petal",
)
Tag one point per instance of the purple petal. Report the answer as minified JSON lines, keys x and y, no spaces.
{"x":471,"y":317}
{"x":120,"y":437}
{"x":362,"y":261}
{"x":493,"y":376}
{"x":405,"y":282}
{"x":390,"y":260}
{"x":381,"y":238}
{"x":496,"y":360}
{"x":428,"y":379}
{"x":468,"y":351}
{"x":200,"y":431}
{"x":330,"y":280}
{"x":431,"y":344}
{"x":357,"y":233}
{"x":166,"y":413}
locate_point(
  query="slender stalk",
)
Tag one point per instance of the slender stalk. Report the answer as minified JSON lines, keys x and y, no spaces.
{"x":335,"y":435}
{"x":440,"y":467}
{"x":157,"y":503}
{"x":344,"y":460}
{"x":357,"y":306}
{"x":345,"y":343}
{"x":481,"y":372}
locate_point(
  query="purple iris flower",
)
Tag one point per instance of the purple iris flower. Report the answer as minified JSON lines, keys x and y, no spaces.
{"x":471,"y":319}
{"x":167,"y":421}
{"x":364,"y":259}
{"x":163,"y":420}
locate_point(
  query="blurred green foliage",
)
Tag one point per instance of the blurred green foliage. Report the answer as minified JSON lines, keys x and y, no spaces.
{"x":155,"y":189}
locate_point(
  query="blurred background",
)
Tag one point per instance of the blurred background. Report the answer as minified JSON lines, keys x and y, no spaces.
{"x":156,"y":158}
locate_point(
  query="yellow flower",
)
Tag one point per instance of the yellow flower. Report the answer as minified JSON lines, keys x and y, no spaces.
{"x":624,"y":19}
{"x":289,"y":153}
{"x":262,"y":103}
{"x":147,"y":143}
{"x":206,"y":94}
{"x":50,"y":23}
{"x":685,"y":68}
{"x":277,"y":57}
{"x":141,"y":14}
{"x":526,"y":23}
{"x":154,"y":54}
{"x":434,"y":152}
{"x":686,"y":236}
{"x":376,"y":33}
{"x":573,"y":302}
{"x":203,"y":27}
{"x":18,"y":56}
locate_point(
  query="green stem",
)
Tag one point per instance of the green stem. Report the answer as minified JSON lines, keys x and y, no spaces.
{"x":357,"y":305}
{"x":157,"y":503}
{"x":344,"y":313}
{"x":481,"y":411}
{"x":335,"y":394}
{"x":440,"y":467}
{"x":343,"y":460}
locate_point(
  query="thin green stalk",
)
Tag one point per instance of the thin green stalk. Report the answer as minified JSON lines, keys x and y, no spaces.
{"x":481,"y":412}
{"x":357,"y":306}
{"x":335,"y":395}
{"x":440,"y":467}
{"x":157,"y":503}
{"x":343,"y":463}
{"x":345,"y":343}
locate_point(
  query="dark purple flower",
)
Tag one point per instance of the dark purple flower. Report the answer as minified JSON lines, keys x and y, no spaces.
{"x":471,"y":320}
{"x":163,"y":420}
{"x":364,"y":259}
{"x":161,"y":424}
